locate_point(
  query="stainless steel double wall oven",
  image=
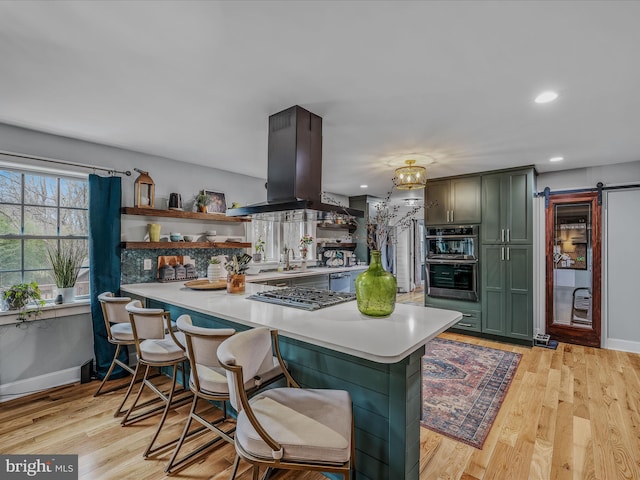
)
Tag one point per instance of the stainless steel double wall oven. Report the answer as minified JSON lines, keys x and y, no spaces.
{"x":452,"y":262}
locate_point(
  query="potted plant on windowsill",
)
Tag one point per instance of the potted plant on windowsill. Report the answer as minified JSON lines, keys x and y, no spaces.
{"x":259,"y":247}
{"x":66,"y":260}
{"x":20,"y":296}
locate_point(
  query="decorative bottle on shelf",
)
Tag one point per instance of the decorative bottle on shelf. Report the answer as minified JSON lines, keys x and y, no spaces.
{"x":376,"y":289}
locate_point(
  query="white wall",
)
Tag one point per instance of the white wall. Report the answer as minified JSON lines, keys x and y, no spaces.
{"x":42,"y":354}
{"x":619,"y":320}
{"x":621,"y":293}
{"x":169,"y":175}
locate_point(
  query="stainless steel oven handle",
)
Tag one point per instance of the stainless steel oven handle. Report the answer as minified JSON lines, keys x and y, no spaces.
{"x":429,"y":237}
{"x":452,"y":262}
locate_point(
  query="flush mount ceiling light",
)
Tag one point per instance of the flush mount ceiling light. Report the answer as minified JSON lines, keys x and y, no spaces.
{"x":546,"y":97}
{"x":556,"y":159}
{"x":410,"y":177}
{"x":364,"y":186}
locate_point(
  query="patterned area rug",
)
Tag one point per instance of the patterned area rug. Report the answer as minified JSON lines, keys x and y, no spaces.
{"x":463,"y":386}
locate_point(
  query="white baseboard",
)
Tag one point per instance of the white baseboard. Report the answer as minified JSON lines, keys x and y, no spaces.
{"x":20,"y":388}
{"x":622,"y":345}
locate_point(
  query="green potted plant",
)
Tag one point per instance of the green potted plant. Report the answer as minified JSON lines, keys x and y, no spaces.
{"x":259,"y":248}
{"x":66,"y":260}
{"x":236,"y":267}
{"x":214,"y":270}
{"x":20,"y":296}
{"x":202,"y":200}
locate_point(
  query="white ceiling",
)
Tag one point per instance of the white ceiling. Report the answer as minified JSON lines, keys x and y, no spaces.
{"x":196,"y":81}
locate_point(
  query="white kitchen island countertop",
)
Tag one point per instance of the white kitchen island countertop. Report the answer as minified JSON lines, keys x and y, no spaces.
{"x":298,"y":272}
{"x":341,"y":327}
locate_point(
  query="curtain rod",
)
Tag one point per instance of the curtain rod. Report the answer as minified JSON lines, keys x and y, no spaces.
{"x":111,"y":171}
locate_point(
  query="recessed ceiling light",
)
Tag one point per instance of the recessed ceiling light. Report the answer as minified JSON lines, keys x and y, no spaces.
{"x":556,"y":159}
{"x":364,"y":186}
{"x":546,"y":97}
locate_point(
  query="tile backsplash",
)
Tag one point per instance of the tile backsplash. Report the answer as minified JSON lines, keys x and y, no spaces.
{"x":132,"y":261}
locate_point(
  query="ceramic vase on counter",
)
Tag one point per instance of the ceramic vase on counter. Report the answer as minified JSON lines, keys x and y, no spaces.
{"x":214,"y":272}
{"x":68,"y":294}
{"x":376,"y":289}
{"x":235,"y":283}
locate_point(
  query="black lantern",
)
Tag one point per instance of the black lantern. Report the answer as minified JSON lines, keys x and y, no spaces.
{"x":144,"y":190}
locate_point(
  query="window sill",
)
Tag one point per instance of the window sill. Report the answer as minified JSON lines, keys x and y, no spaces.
{"x":49,"y":311}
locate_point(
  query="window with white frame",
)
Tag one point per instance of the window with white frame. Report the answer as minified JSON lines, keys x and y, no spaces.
{"x":40,"y":210}
{"x":279,"y":235}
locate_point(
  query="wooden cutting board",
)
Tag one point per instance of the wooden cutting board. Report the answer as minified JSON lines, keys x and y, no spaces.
{"x":206,"y":284}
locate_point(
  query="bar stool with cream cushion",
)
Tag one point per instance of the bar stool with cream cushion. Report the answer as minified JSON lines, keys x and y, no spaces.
{"x":159,"y":346}
{"x":210,"y":383}
{"x":285,"y":428}
{"x":119,"y":333}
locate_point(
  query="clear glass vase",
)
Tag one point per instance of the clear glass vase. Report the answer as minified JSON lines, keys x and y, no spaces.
{"x":376,"y":289}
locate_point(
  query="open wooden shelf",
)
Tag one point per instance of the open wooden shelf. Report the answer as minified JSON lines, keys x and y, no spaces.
{"x":337,"y":244}
{"x":206,"y":217}
{"x":338,"y":226}
{"x":155,"y":245}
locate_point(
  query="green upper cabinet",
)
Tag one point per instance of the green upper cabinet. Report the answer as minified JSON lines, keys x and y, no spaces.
{"x":454,"y":201}
{"x":507,"y":207}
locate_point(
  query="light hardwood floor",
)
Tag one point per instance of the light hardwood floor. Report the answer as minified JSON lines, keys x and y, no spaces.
{"x":571,"y":413}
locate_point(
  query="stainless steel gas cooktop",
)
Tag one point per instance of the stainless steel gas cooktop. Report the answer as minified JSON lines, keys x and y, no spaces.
{"x":303,"y":297}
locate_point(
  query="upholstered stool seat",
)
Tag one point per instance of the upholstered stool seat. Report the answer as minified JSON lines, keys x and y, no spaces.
{"x":165,"y":350}
{"x":122,"y":332}
{"x":311,"y":425}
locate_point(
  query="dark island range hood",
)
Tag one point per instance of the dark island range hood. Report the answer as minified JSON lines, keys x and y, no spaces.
{"x":294,"y":171}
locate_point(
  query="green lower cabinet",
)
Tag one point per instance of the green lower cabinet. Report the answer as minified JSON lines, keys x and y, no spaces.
{"x":507,"y":290}
{"x":471,"y":312}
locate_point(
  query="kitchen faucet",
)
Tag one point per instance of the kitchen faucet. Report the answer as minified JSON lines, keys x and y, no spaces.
{"x":287,"y":265}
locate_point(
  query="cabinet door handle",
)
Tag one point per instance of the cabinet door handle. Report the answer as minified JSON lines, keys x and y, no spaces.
{"x":508,"y":254}
{"x":501,"y":253}
{"x":465,"y":324}
{"x":466,"y":315}
{"x":451,"y":216}
{"x":508,"y":235}
{"x":447,"y":216}
{"x":281,"y":285}
{"x":502,"y":235}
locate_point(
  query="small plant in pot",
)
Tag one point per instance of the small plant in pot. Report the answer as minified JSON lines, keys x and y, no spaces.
{"x":259,"y":247}
{"x":66,"y":260}
{"x":214,"y":270}
{"x":202,"y":200}
{"x":20,"y":296}
{"x":236,"y":267}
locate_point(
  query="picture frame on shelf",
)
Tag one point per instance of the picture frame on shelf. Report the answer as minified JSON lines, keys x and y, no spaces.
{"x":217,"y":202}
